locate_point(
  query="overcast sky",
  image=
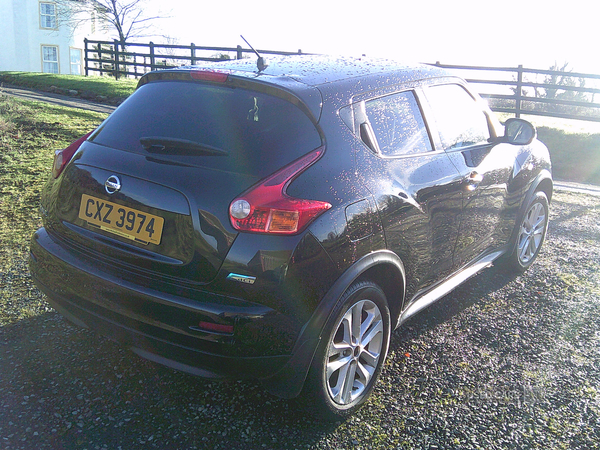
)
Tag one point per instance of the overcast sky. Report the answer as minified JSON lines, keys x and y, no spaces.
{"x":529,"y":32}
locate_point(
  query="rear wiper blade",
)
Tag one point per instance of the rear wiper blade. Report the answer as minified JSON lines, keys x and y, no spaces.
{"x":156,"y":144}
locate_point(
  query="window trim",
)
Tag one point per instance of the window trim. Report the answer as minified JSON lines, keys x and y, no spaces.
{"x":57,"y":57}
{"x":40,"y":16}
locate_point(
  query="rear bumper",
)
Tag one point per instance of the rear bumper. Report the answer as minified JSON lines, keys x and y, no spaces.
{"x":156,"y":325}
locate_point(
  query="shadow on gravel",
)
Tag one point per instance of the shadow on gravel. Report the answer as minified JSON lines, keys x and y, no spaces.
{"x":66,"y":387}
{"x":474,"y":291}
{"x":72,"y":388}
{"x":456,"y":372}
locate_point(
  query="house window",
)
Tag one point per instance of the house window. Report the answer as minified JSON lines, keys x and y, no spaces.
{"x":49,"y":59}
{"x":75,"y":54}
{"x":48,"y":15}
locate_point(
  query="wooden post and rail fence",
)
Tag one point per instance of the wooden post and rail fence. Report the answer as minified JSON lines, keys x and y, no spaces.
{"x":130,"y":59}
{"x":512,"y":90}
{"x":572,"y":96}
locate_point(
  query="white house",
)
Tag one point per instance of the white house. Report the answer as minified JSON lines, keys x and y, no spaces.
{"x":38,"y":37}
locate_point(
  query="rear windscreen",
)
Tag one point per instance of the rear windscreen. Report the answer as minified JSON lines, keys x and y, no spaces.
{"x":257,"y":133}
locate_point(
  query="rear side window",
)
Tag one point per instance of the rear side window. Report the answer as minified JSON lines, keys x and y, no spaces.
{"x":459,"y":119}
{"x":398,"y":125}
{"x":260,"y":133}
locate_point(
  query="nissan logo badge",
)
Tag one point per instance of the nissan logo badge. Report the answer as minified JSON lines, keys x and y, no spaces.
{"x":113,"y":184}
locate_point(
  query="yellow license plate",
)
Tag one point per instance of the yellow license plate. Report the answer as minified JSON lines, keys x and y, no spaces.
{"x":118,"y":219}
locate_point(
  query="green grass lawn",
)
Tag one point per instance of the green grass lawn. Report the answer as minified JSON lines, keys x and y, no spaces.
{"x":107,"y":87}
{"x":29,"y":134}
{"x":575,"y":156}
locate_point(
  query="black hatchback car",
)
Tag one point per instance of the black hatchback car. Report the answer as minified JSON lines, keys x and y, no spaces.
{"x":280,"y":223}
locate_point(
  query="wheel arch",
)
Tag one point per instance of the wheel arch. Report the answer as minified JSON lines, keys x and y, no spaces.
{"x":391,"y":279}
{"x":543,"y":182}
{"x":383,"y":268}
{"x":546,"y":185}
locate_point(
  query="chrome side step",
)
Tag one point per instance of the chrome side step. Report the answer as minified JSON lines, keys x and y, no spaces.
{"x":447,"y":286}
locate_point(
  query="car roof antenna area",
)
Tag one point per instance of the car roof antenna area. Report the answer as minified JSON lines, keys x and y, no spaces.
{"x":261,"y":62}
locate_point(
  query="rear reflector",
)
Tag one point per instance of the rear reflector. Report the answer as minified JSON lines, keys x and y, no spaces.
{"x":214,"y":327}
{"x":266,"y":207}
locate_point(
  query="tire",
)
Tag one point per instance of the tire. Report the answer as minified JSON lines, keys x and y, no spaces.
{"x":349,"y":359}
{"x":530,"y":234}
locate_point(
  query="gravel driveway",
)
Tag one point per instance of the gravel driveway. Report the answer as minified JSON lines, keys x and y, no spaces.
{"x":502,"y":362}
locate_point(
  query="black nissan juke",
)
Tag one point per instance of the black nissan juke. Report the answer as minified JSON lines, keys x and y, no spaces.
{"x":279,"y":223}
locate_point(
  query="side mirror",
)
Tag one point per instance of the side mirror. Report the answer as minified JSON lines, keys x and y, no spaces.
{"x":519,"y":132}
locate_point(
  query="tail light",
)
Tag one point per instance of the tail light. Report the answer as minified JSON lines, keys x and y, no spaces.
{"x":62,"y":157}
{"x":266,"y":208}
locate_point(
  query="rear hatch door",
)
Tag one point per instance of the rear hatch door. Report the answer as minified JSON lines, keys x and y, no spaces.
{"x":149,"y":191}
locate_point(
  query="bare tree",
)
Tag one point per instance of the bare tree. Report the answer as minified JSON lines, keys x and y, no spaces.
{"x":127,"y":18}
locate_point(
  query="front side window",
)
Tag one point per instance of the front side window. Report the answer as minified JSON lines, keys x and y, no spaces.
{"x":49,"y":59}
{"x":48,"y":15}
{"x":460,"y":120}
{"x":398,"y":124}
